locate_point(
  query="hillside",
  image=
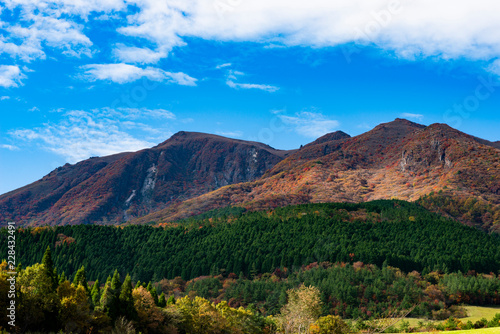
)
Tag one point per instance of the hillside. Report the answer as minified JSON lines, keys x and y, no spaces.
{"x":400,"y":159}
{"x":402,"y":234}
{"x":120,"y":187}
{"x":192,"y":173}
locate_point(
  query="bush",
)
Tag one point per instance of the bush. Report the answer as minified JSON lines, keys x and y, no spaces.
{"x":495,"y":322}
{"x":329,"y":325}
{"x":483,"y":323}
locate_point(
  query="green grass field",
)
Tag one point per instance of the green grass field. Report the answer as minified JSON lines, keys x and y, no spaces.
{"x":475,"y":313}
{"x":470,"y":331}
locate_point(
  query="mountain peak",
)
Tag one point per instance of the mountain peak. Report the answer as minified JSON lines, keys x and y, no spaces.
{"x":337,"y":135}
{"x":400,"y":123}
{"x":183,"y":136}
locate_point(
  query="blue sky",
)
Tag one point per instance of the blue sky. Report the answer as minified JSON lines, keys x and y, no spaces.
{"x":81,"y":79}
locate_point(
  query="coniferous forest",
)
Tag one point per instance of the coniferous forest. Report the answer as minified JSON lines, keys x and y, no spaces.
{"x":349,"y":261}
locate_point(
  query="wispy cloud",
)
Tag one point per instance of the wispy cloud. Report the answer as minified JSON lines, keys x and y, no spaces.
{"x":9,"y":147}
{"x":267,"y":88}
{"x":123,"y":73}
{"x":81,"y":134}
{"x":364,"y":125}
{"x":235,"y":134}
{"x":135,"y":113}
{"x":10,"y":76}
{"x":310,"y":124}
{"x":223,"y":65}
{"x":418,"y":117}
{"x":495,"y":67}
{"x":233,"y":76}
{"x":4,"y":98}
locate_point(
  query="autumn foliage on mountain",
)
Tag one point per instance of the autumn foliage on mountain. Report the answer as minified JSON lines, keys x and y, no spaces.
{"x":400,"y":159}
{"x":120,"y":187}
{"x":444,"y":169}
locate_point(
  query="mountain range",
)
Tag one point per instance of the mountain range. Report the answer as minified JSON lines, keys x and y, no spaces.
{"x":448,"y":171}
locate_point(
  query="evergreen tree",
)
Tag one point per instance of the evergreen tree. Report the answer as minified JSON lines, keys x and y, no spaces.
{"x":62,"y":278}
{"x":49,"y":267}
{"x":109,"y":300}
{"x":81,"y":279}
{"x":154,"y":294}
{"x":96,"y":293}
{"x":171,"y":300}
{"x":161,"y":300}
{"x":126,"y":302}
{"x":116,"y":284}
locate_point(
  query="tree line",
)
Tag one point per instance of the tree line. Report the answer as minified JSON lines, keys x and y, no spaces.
{"x":397,"y":233}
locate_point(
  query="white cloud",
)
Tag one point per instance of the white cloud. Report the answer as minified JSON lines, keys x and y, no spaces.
{"x":223,"y":65}
{"x":447,"y":29}
{"x":232,"y":76}
{"x":267,"y":88}
{"x":495,"y":67}
{"x":81,"y":134}
{"x":135,"y":113}
{"x":44,"y":24}
{"x":123,"y":73}
{"x":413,"y":29}
{"x":10,"y":76}
{"x":33,"y":109}
{"x":234,"y":134}
{"x":132,"y":54}
{"x":310,"y":124}
{"x":9,"y":147}
{"x":4,"y":98}
{"x":414,"y":116}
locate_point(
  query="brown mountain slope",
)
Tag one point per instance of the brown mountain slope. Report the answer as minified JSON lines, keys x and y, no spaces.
{"x":399,"y":159}
{"x":119,"y":187}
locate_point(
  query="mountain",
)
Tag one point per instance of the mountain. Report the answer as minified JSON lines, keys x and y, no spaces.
{"x":399,"y":159}
{"x":119,"y":187}
{"x":442,"y":168}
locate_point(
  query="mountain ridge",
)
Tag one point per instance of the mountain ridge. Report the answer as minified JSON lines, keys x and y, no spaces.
{"x":118,"y":187}
{"x":193,"y":172}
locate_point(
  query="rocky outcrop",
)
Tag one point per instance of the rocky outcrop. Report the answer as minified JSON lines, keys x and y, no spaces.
{"x":118,"y":188}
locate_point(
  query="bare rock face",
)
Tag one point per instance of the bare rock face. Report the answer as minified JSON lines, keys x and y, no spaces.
{"x":124,"y":186}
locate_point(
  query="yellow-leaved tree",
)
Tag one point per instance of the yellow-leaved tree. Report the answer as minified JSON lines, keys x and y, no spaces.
{"x":75,"y":307}
{"x":302,"y":310}
{"x":38,"y":301}
{"x":151,"y":318}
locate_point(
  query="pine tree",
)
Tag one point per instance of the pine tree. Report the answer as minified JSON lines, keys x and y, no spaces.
{"x":154,"y":294}
{"x":62,"y":278}
{"x":171,"y":300}
{"x":161,"y":300}
{"x":116,"y":284}
{"x":96,"y":293}
{"x":126,"y":302}
{"x":81,"y":279}
{"x":108,"y":300}
{"x":49,"y":267}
